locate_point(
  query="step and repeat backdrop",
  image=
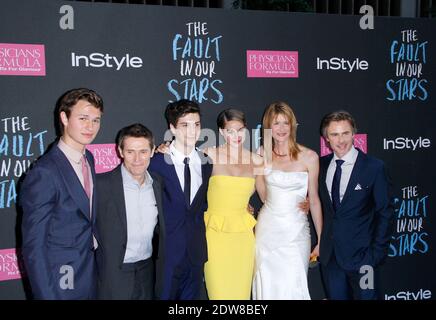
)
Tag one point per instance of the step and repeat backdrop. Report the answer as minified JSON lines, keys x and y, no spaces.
{"x":141,"y":57}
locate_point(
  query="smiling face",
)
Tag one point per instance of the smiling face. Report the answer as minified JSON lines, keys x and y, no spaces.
{"x":340,"y":136}
{"x":281,"y":128}
{"x":136,"y":153}
{"x":81,"y":127}
{"x":187,"y":131}
{"x":234,"y":133}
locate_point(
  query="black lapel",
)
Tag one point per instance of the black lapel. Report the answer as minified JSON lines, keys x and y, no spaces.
{"x":157,"y":189}
{"x":71,"y":181}
{"x":117,"y":190}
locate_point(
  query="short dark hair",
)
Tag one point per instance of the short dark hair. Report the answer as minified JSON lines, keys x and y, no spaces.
{"x":230,"y":115}
{"x":340,"y":115}
{"x":135,"y":130}
{"x":175,"y":110}
{"x":70,"y":98}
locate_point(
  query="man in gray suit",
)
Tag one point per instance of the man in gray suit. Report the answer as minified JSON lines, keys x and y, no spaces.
{"x":130,"y":221}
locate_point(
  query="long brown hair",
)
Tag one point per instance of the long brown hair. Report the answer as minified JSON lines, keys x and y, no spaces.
{"x":271,"y":113}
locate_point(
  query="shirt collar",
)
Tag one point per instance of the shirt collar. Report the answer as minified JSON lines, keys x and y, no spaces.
{"x":179,"y":156}
{"x":128,"y":179}
{"x":70,"y":152}
{"x":350,"y":157}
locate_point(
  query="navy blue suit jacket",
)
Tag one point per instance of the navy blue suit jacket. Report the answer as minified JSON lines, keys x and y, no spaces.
{"x":185,"y":228}
{"x":359,"y":232}
{"x":57,"y":228}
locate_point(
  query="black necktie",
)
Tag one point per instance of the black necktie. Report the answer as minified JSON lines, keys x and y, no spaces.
{"x":187,"y":187}
{"x":336,"y":200}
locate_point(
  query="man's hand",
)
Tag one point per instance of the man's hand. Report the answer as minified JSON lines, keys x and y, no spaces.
{"x":304,"y":205}
{"x":164,"y":147}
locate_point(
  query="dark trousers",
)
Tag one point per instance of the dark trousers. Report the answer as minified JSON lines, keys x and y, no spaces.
{"x":142,"y":275}
{"x":342,"y":284}
{"x":182,"y":282}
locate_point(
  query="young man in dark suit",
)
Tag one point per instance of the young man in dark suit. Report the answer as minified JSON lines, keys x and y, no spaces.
{"x":58,"y":200}
{"x":130,"y":220}
{"x":355,"y":192}
{"x":186,"y":173}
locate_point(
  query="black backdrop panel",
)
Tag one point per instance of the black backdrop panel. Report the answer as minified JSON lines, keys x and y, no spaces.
{"x":132,"y":56}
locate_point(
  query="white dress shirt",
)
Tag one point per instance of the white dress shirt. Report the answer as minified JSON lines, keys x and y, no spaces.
{"x":141,"y":216}
{"x":347,"y":168}
{"x":194,"y":166}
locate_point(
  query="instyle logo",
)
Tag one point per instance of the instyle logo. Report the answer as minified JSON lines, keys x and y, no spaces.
{"x":105,"y":60}
{"x":341,"y":64}
{"x":360,"y":141}
{"x":401,"y":143}
{"x":22,"y":59}
{"x":105,"y":156}
{"x":9,"y":265}
{"x":272,"y":64}
{"x":421,"y":294}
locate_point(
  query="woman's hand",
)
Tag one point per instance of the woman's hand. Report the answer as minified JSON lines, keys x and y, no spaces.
{"x":250,"y":209}
{"x":315,"y":253}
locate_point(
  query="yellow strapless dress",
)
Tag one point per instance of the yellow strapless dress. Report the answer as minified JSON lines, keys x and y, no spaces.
{"x":230,"y":238}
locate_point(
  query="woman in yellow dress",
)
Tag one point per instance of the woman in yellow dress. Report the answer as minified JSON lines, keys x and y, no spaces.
{"x":229,"y":225}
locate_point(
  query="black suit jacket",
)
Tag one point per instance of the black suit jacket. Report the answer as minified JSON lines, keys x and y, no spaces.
{"x":359,"y":232}
{"x":112,"y":226}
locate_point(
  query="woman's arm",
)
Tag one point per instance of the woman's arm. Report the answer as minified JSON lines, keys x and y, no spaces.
{"x":259,"y":173}
{"x":261,"y":187}
{"x":312,"y":163}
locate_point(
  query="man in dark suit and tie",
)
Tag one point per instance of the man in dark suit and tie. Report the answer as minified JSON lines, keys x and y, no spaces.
{"x":58,"y":200}
{"x":186,"y":173}
{"x":130,"y":220}
{"x":355,"y":192}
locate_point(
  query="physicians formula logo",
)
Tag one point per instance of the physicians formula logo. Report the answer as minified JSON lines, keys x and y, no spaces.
{"x":22,"y":59}
{"x":105,"y":156}
{"x":272,"y":64}
{"x":9,"y":264}
{"x":360,"y":141}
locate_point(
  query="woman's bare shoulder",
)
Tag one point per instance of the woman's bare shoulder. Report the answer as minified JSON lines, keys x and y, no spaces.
{"x":308,"y":155}
{"x":211,"y":151}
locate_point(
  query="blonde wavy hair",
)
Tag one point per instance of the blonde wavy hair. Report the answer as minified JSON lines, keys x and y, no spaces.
{"x":271,"y":113}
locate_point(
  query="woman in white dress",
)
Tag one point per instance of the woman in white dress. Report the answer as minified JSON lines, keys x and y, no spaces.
{"x":283,"y":240}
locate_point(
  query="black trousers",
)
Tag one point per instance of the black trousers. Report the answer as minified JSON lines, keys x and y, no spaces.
{"x":142,"y":274}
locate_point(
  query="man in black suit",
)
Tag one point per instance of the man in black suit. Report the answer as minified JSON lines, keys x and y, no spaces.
{"x":355,"y":192}
{"x":130,"y":220}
